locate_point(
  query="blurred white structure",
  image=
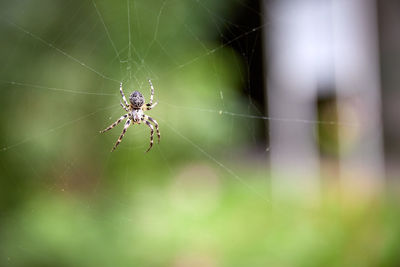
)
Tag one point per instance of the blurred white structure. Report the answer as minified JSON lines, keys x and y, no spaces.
{"x":323,"y":45}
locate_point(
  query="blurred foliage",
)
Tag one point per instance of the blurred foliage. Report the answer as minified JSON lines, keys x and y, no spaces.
{"x":59,"y":84}
{"x":197,"y":222}
{"x":65,"y":200}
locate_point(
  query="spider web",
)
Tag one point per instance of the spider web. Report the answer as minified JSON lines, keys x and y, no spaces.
{"x":62,"y":65}
{"x":134,"y":61}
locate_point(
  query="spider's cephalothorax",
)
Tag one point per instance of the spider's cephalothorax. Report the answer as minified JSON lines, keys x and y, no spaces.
{"x":135,"y":114}
{"x":136,"y":99}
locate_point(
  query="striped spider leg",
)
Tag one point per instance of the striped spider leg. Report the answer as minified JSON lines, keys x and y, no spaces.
{"x":150,"y":105}
{"x":135,"y":115}
{"x":147,"y":120}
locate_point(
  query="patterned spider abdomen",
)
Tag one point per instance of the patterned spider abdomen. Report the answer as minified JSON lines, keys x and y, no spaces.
{"x":136,"y":99}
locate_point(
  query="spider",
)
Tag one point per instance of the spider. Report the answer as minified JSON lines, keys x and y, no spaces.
{"x":136,"y":115}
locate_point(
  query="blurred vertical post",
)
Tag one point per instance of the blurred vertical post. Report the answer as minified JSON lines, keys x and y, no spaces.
{"x":316,"y":45}
{"x":358,"y":86}
{"x":294,"y":33}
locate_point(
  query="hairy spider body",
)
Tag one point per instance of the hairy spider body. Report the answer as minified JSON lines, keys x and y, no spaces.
{"x":137,"y":100}
{"x":135,"y":114}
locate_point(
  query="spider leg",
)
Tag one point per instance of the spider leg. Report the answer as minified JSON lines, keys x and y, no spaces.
{"x":114,"y":124}
{"x":155,"y":124}
{"x":123,"y":96}
{"x":152,"y":93}
{"x":151,"y":134}
{"x":127,"y":124}
{"x":124,"y":107}
{"x":150,"y":106}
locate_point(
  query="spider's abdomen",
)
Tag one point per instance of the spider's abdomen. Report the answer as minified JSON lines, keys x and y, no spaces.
{"x":136,"y":99}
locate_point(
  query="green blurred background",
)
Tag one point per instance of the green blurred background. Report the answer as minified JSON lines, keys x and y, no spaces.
{"x":199,"y":198}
